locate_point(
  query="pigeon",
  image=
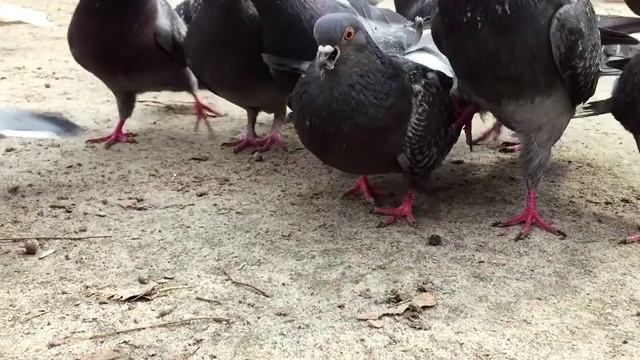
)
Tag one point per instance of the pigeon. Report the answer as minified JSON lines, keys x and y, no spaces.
{"x":411,"y":9}
{"x":550,"y":64}
{"x":12,"y":14}
{"x":634,"y":5}
{"x":29,"y":124}
{"x":187,"y":10}
{"x":614,"y":36}
{"x":232,"y":66}
{"x":369,"y":108}
{"x":624,"y":105}
{"x":133,"y":47}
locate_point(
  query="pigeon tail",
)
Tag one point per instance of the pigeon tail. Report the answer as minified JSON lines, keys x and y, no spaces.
{"x":21,"y":123}
{"x":595,"y":108}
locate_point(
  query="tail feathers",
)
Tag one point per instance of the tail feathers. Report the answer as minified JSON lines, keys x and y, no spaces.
{"x":595,"y":108}
{"x":20,"y":123}
{"x":613,"y":37}
{"x":618,"y":63}
{"x":623,"y":24}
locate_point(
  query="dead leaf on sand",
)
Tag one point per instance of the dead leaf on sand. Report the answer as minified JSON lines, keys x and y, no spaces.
{"x":418,"y":302}
{"x":147,"y":292}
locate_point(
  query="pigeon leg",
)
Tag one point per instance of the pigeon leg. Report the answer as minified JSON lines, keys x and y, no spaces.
{"x":465,"y":118}
{"x":632,"y":239}
{"x":529,"y":217}
{"x":126,"y":103}
{"x":201,"y":113}
{"x":274,"y":138}
{"x":250,"y":138}
{"x":115,"y":137}
{"x":368,"y":192}
{"x":405,"y":210}
{"x":509,"y":147}
{"x":491,"y":134}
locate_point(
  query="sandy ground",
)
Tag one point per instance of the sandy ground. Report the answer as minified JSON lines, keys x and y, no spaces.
{"x":280,"y":225}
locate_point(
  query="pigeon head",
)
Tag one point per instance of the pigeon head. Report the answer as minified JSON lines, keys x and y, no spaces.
{"x":338,"y":34}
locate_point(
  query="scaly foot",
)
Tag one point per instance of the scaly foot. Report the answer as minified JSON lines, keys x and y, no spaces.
{"x":405,"y":210}
{"x":202,"y":110}
{"x":529,"y":217}
{"x":368,"y":192}
{"x":115,"y":137}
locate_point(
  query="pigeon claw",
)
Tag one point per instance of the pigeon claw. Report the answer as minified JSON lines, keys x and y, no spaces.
{"x":529,"y":217}
{"x":405,"y":210}
{"x":368,"y":192}
{"x":631,"y":239}
{"x":509,"y":147}
{"x":114,"y":137}
{"x":244,"y":142}
{"x":268,"y":141}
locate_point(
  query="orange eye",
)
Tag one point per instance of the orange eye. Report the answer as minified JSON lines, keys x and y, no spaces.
{"x":348,"y":34}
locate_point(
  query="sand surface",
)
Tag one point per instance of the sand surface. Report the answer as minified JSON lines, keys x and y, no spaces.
{"x":179,"y":209}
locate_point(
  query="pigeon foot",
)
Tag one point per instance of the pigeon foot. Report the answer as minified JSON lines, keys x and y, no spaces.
{"x":368,"y":192}
{"x":529,"y":217}
{"x":202,"y":110}
{"x":405,"y":210}
{"x":632,"y":239}
{"x":464,"y":119}
{"x":249,"y":140}
{"x":268,"y":141}
{"x":115,"y":137}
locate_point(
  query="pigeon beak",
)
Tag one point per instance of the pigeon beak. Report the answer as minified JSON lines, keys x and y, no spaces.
{"x":327,"y":56}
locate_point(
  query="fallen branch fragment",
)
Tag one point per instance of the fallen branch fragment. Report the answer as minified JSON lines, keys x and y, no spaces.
{"x":208,"y":300}
{"x":70,"y":238}
{"x":166,"y":324}
{"x":261,"y":292}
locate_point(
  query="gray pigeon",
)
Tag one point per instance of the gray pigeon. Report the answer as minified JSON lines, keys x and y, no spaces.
{"x":550,"y":64}
{"x":187,"y":10}
{"x":624,"y":105}
{"x":29,"y":124}
{"x":133,"y":47}
{"x":232,"y":66}
{"x":365,"y":110}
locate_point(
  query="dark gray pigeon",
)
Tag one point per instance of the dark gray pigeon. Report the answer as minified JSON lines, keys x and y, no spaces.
{"x":29,"y":124}
{"x":616,"y":41}
{"x":187,"y":10}
{"x":224,"y":46}
{"x":550,"y":64}
{"x":133,"y":47}
{"x":365,"y":111}
{"x":634,"y":5}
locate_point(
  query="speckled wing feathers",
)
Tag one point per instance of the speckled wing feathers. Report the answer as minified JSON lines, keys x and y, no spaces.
{"x":170,"y":31}
{"x":430,"y":134}
{"x":576,"y":46}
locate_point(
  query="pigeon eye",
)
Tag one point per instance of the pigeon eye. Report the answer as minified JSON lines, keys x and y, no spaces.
{"x":348,"y":34}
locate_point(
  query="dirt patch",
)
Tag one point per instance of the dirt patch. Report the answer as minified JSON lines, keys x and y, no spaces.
{"x":183,"y":214}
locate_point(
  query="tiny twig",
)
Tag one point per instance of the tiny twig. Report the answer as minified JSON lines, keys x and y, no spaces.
{"x":166,"y":324}
{"x":261,"y":292}
{"x":181,"y":206}
{"x":70,"y":238}
{"x":207,"y":300}
{"x":35,"y":316}
{"x":192,"y":353}
{"x":173,"y":288}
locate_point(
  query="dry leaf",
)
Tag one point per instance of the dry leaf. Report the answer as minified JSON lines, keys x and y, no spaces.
{"x":398,"y":310}
{"x":147,"y":292}
{"x":375,"y":323}
{"x":424,"y":300}
{"x":106,"y":355}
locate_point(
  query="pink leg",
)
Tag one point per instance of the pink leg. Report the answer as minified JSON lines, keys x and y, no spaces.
{"x":491,"y":134}
{"x":529,"y":217}
{"x":465,"y":118}
{"x":116,"y":136}
{"x":405,"y":210}
{"x":201,"y":113}
{"x":250,"y":139}
{"x":274,"y":138}
{"x":632,"y":239}
{"x":368,"y":192}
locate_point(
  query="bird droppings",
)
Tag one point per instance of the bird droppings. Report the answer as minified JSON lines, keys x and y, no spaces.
{"x":31,"y":247}
{"x":435,"y":240}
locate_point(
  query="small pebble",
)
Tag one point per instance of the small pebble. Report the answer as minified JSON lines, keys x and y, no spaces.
{"x":143,"y":279}
{"x":13,"y":189}
{"x":201,"y":193}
